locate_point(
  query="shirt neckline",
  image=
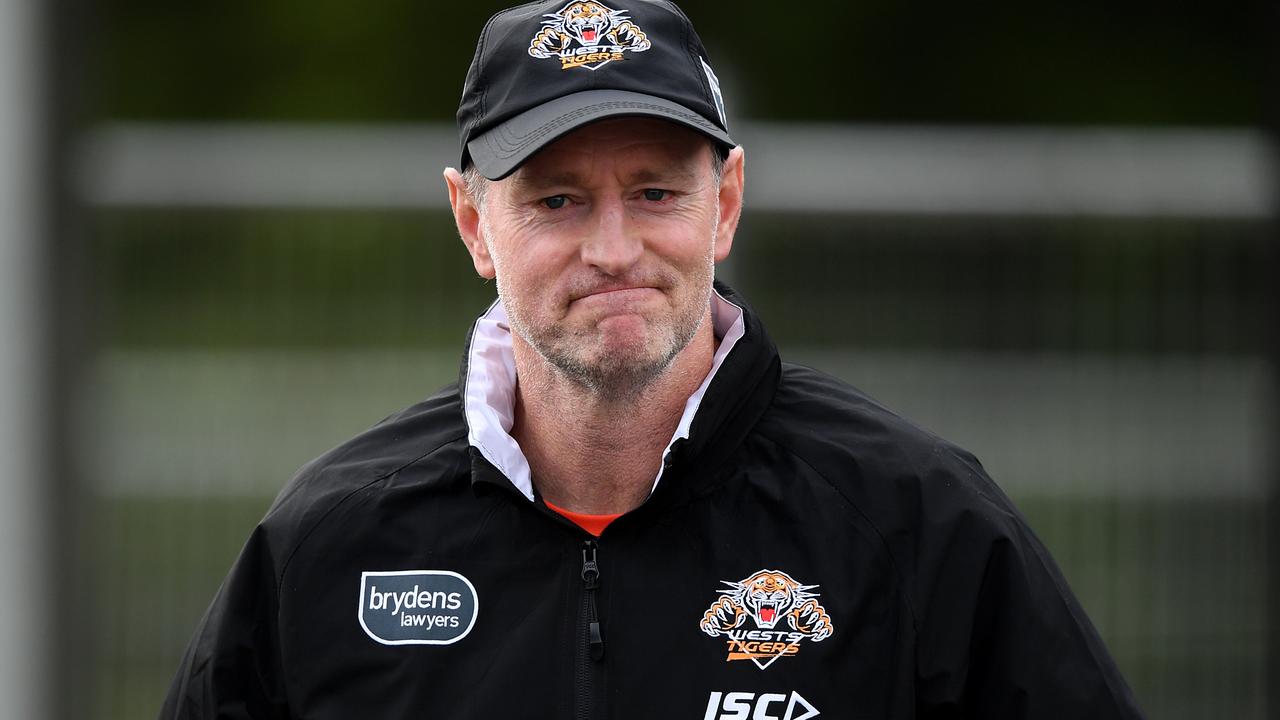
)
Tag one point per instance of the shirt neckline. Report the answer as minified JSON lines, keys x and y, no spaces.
{"x":594,"y":524}
{"x":490,"y":386}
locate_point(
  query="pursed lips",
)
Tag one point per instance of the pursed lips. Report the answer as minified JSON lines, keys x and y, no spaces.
{"x":617,"y":297}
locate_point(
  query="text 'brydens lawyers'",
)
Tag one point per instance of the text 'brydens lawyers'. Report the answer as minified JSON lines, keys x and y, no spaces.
{"x":414,"y":599}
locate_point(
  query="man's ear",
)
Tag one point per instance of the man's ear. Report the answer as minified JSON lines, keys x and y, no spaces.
{"x":466,"y":215}
{"x":732,"y":182}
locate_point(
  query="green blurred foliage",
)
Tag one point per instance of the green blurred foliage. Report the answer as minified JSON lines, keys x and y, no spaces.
{"x":870,"y":61}
{"x":1143,"y":286}
{"x":283,"y":278}
{"x":284,"y":59}
{"x":339,"y":278}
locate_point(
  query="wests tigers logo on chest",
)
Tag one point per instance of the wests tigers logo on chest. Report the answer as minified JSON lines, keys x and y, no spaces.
{"x":783,"y":611}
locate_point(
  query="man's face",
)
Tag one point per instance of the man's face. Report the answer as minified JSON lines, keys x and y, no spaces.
{"x":603,"y":245}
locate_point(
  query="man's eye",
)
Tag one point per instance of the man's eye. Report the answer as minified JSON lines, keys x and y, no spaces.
{"x":655,"y":195}
{"x":555,"y":202}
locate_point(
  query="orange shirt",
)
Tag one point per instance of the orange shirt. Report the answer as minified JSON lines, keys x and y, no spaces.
{"x":594,"y":524}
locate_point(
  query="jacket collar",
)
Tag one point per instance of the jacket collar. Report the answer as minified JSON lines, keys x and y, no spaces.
{"x":488,"y":386}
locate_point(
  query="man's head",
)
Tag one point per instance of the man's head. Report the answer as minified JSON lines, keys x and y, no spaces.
{"x":543,"y":69}
{"x":597,"y":201}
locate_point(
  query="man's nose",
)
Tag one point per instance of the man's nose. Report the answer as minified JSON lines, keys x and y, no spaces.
{"x":613,"y":244}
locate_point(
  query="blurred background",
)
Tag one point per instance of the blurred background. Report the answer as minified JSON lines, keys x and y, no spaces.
{"x":1046,"y":232}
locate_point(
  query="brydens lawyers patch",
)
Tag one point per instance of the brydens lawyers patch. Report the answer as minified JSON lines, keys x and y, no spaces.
{"x":587,"y":35}
{"x":766,"y":598}
{"x":417,"y":607}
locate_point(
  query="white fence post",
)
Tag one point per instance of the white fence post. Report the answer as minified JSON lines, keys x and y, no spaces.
{"x":26,"y":646}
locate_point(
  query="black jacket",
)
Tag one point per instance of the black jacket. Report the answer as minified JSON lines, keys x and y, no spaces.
{"x":807,"y":551}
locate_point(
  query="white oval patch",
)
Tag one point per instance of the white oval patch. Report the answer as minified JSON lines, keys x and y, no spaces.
{"x":417,"y":607}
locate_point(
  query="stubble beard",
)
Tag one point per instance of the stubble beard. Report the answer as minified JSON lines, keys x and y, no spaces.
{"x":618,"y":374}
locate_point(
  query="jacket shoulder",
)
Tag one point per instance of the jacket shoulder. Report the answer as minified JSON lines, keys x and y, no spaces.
{"x":831,"y":421}
{"x":429,"y":429}
{"x":897,"y":474}
{"x":985,"y":596}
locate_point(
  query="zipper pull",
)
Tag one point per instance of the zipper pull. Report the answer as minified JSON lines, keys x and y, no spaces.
{"x":591,"y":580}
{"x":590,"y":568}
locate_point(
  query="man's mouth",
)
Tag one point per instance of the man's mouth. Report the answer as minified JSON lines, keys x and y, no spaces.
{"x":610,"y":290}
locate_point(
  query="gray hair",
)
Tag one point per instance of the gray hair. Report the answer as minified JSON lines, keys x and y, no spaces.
{"x":476,"y":185}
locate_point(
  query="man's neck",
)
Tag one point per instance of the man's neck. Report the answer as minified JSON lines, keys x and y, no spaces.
{"x":591,"y":454}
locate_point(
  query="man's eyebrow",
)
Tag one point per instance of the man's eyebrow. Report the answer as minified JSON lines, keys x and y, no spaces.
{"x":541,"y":180}
{"x":669,"y":173}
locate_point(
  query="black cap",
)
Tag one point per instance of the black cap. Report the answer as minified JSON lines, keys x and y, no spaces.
{"x":546,"y":68}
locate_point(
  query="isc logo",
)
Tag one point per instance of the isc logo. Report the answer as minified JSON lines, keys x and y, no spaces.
{"x":765,"y":706}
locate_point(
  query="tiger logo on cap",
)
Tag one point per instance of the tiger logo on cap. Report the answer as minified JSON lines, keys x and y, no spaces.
{"x":587,"y":34}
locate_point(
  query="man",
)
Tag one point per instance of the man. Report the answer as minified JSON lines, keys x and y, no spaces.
{"x":629,"y":507}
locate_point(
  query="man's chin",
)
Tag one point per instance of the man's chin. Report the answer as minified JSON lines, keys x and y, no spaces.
{"x":616,"y":372}
{"x":623,"y":328}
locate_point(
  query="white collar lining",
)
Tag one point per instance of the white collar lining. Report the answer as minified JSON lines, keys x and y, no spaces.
{"x":489,"y":394}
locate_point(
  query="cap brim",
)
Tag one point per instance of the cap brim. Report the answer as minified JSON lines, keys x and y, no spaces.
{"x":497,"y":152}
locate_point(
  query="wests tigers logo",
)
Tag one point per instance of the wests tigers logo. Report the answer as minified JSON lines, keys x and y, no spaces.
{"x":768,"y":597}
{"x":587,"y":34}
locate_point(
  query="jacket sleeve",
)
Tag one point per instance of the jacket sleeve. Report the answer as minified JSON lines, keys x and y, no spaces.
{"x":1000,"y":633}
{"x":232,"y":666}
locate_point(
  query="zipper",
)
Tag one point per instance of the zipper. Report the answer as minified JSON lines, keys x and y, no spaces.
{"x":590,"y":647}
{"x":591,"y":582}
